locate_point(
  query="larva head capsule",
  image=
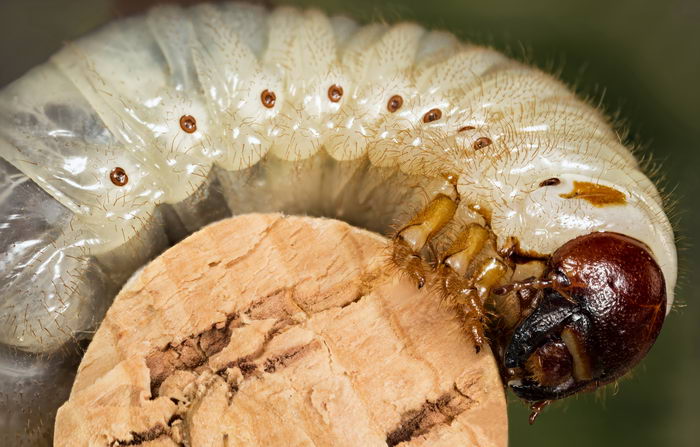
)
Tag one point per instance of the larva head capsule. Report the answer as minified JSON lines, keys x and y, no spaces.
{"x":597,"y":315}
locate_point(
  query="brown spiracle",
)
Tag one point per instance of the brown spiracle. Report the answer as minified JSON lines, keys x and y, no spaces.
{"x":481,"y":143}
{"x":188,"y":123}
{"x":268,"y":98}
{"x":335,"y":93}
{"x":118,"y":176}
{"x":394,"y":103}
{"x":432,"y":115}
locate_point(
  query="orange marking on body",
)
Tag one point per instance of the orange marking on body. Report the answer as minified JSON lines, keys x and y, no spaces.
{"x":597,"y":195}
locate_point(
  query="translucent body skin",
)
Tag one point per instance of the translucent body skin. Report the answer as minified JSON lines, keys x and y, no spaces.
{"x":70,"y":236}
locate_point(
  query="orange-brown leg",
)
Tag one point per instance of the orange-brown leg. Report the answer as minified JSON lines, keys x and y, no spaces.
{"x":487,"y":275}
{"x":467,"y":293}
{"x":412,"y":238}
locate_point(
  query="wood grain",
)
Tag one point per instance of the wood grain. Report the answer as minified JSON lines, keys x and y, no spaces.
{"x":265,"y":330}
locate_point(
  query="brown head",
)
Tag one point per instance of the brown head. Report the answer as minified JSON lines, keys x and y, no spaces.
{"x":600,"y":314}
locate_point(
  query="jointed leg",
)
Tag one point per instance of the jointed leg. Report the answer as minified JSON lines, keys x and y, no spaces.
{"x":467,"y":293}
{"x":410,"y":240}
{"x":463,"y":284}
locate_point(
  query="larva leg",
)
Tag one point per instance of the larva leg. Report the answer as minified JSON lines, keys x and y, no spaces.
{"x":466,"y":288}
{"x":464,"y":249}
{"x":471,"y":300}
{"x":412,"y":238}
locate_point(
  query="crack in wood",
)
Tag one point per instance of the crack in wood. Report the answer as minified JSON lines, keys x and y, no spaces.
{"x":192,"y":352}
{"x":138,"y":438}
{"x":272,"y":364}
{"x":431,"y":415}
{"x":195,"y":350}
{"x":354,"y":300}
{"x":155,"y":432}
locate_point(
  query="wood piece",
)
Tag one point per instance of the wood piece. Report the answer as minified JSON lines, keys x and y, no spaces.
{"x":265,"y":330}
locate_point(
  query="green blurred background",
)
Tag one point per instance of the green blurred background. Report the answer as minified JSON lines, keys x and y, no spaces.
{"x":639,"y":58}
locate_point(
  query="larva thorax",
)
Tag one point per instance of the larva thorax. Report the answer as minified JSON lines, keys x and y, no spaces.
{"x":157,"y":125}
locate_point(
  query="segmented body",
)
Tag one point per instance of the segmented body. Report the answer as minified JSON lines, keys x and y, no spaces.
{"x":145,"y":131}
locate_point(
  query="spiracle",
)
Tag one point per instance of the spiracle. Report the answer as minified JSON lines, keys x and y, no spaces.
{"x":135,"y":136}
{"x":118,"y":176}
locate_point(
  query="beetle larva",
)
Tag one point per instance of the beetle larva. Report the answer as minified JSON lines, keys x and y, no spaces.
{"x":132,"y":138}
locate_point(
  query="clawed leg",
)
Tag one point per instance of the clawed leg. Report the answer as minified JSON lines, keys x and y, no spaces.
{"x":409,"y":262}
{"x":410,"y":240}
{"x":471,"y":298}
{"x":465,"y":275}
{"x":466,"y":286}
{"x":472,"y":316}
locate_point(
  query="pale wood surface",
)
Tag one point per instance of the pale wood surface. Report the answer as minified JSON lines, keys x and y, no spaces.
{"x":264,"y":330}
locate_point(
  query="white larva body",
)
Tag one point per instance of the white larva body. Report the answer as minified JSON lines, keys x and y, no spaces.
{"x":115,"y":98}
